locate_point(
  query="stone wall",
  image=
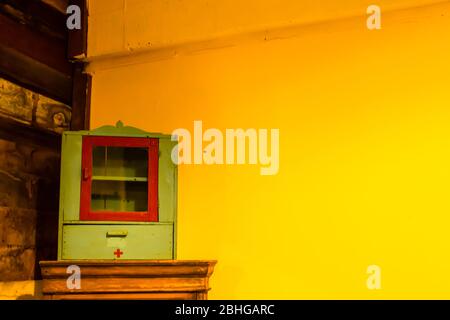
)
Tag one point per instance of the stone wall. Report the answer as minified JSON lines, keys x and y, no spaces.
{"x":29,"y":185}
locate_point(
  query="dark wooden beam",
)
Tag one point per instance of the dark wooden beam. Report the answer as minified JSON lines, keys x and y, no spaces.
{"x":34,"y":60}
{"x":82,"y":82}
{"x":21,"y":38}
{"x":60,"y":5}
{"x":38,"y":15}
{"x":81,"y":101}
{"x":38,"y":77}
{"x":77,"y":48}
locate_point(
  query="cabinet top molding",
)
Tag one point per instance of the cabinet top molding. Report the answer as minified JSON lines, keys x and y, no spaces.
{"x":119,"y":130}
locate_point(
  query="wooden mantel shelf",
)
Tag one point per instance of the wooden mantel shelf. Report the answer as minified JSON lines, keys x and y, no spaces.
{"x":129,"y":279}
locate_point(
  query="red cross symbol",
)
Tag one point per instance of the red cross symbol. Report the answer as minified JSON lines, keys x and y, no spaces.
{"x":118,"y":253}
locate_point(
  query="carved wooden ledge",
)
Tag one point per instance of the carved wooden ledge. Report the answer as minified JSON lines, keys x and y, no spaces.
{"x":129,"y":279}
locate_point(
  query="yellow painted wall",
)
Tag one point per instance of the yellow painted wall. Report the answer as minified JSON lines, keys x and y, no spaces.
{"x":21,"y":290}
{"x":364,"y":153}
{"x":130,"y":25}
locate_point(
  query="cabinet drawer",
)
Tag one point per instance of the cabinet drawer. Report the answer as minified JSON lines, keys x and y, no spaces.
{"x":117,"y":242}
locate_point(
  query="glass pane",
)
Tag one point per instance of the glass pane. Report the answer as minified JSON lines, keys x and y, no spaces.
{"x":119,"y":161}
{"x":126,"y":162}
{"x":119,"y":196}
{"x":99,"y":161}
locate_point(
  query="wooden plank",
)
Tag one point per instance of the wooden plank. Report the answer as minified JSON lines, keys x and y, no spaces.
{"x":35,"y":60}
{"x":128,"y":284}
{"x":140,"y":279}
{"x":129,"y":268}
{"x":136,"y":270}
{"x":131,"y":296}
{"x":38,"y":15}
{"x":81,"y":101}
{"x":59,"y":5}
{"x":77,"y":46}
{"x":35,"y":45}
{"x":35,"y":76}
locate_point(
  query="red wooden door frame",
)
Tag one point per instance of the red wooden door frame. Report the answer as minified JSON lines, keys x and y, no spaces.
{"x":86,"y":179}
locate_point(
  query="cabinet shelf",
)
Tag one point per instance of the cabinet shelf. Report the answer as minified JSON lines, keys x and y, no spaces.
{"x":118,"y":178}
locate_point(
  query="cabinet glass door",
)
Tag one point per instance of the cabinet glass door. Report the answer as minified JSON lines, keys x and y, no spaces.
{"x":119,"y":179}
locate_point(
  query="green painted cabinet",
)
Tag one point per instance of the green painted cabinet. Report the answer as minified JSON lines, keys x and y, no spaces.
{"x":118,"y":195}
